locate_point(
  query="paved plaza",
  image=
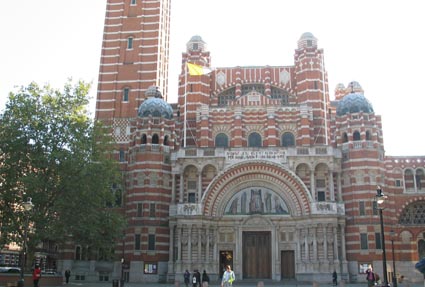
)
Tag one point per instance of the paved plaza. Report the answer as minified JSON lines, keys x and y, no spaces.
{"x":236,"y":284}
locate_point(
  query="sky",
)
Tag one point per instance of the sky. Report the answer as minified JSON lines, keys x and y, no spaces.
{"x":379,"y":44}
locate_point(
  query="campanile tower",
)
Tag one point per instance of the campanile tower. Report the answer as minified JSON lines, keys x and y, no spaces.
{"x":135,"y":50}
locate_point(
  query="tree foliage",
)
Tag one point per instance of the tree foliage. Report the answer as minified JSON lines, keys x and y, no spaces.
{"x":53,"y":152}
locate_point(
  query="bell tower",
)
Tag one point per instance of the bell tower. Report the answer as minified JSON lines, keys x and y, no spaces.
{"x":135,"y":53}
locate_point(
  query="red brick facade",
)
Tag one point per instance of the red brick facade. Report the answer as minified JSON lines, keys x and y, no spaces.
{"x":255,"y":155}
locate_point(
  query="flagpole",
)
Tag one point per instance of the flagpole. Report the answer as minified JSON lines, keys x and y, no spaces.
{"x":185,"y":103}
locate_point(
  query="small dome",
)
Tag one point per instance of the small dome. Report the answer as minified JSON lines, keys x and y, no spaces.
{"x":307,"y":40}
{"x":354,"y":87}
{"x":307,"y":35}
{"x":196,"y":38}
{"x":155,"y":106}
{"x":196,"y":44}
{"x":153,"y":92}
{"x":353,"y":103}
{"x":340,"y":87}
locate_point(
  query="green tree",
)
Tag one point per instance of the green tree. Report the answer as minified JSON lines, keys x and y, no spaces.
{"x":52,"y":151}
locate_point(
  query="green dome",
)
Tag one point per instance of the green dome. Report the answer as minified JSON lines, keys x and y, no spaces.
{"x":155,"y":106}
{"x":354,"y":103}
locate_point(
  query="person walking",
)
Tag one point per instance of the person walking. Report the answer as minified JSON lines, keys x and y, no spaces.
{"x":67,"y":275}
{"x":228,"y":277}
{"x":370,"y":277}
{"x":186,"y":277}
{"x":196,"y":278}
{"x":335,"y":278}
{"x":205,"y":279}
{"x":36,"y":275}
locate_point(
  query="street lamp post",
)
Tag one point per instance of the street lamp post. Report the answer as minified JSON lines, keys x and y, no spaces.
{"x":122,"y":272}
{"x":380,"y":199}
{"x":392,"y":235}
{"x":27,"y":206}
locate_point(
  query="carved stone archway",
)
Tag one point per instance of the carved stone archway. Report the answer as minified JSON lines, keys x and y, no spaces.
{"x":257,"y":174}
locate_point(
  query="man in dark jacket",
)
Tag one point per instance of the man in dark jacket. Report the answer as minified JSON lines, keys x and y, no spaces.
{"x":196,"y":278}
{"x":186,"y":278}
{"x":205,"y":278}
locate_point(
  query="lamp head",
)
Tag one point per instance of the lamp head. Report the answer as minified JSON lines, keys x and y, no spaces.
{"x":28,"y":205}
{"x":380,"y":197}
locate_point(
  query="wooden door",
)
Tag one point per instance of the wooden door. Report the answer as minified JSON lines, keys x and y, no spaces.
{"x":256,"y":255}
{"x":287,"y":264}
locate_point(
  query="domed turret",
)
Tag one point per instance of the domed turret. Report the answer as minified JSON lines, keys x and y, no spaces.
{"x":307,"y":40}
{"x":196,"y":44}
{"x":155,"y":106}
{"x":354,"y":103}
{"x":355,"y":87}
{"x":340,"y":91}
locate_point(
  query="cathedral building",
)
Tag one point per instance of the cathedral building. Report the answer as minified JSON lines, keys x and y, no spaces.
{"x":254,"y":166}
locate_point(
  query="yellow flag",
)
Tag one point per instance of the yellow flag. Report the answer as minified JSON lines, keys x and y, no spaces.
{"x":197,"y":70}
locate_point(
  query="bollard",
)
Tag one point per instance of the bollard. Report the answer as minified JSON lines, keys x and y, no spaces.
{"x":176,"y":284}
{"x":260,"y":284}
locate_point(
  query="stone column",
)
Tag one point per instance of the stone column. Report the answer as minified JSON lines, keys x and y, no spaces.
{"x":343,"y":244}
{"x":335,"y":231}
{"x":171,"y":248}
{"x":200,"y":244}
{"x":404,"y":184}
{"x":199,"y":187}
{"x":179,"y":243}
{"x":207,"y":247}
{"x":298,"y":240}
{"x":181,"y":188}
{"x":331,"y":185}
{"x":325,"y":242}
{"x":415,"y":184}
{"x":312,"y":185}
{"x":338,"y":182}
{"x":307,"y":249}
{"x":173,"y":188}
{"x":214,"y":239}
{"x":189,"y":244}
{"x":314,"y":230}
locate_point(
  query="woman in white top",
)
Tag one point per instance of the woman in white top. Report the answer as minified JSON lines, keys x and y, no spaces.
{"x":228,"y":277}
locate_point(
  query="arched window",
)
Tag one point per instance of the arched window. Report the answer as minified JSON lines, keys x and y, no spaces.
{"x":356,"y":136}
{"x":221,"y":140}
{"x":125,"y":94}
{"x":254,"y":140}
{"x":121,"y":155}
{"x":368,"y":136}
{"x":345,"y":138}
{"x":155,"y":139}
{"x":130,"y":43}
{"x":166,"y":140}
{"x":144,"y":139}
{"x":413,"y":214}
{"x":288,"y":139}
